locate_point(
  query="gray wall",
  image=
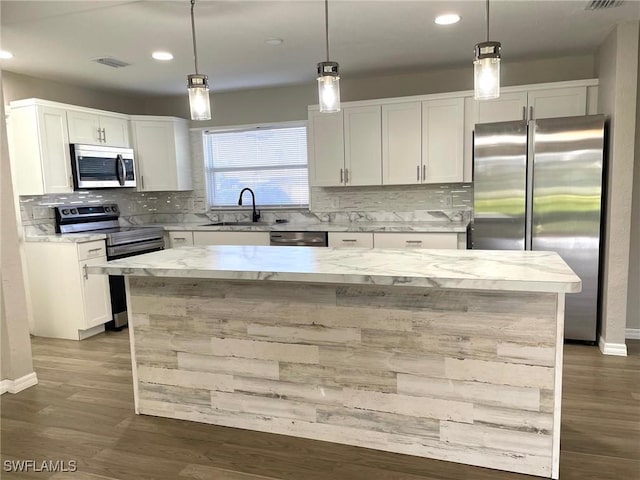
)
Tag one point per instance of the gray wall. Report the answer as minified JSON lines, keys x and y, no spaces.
{"x":17,"y":87}
{"x":15,"y":344}
{"x":633,"y":301}
{"x":290,"y":103}
{"x":617,"y":68}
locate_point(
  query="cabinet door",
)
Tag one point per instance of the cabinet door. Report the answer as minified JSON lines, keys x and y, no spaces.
{"x":442,"y":140}
{"x":55,"y":154}
{"x":95,"y":295}
{"x":84,"y":128}
{"x":231,"y":238}
{"x":350,"y":240}
{"x":180,"y":239}
{"x":115,"y":131}
{"x":155,"y":155}
{"x":363,"y":145}
{"x":326,"y":149}
{"x":401,"y":143}
{"x":416,"y":240}
{"x":558,"y":102}
{"x":507,"y":107}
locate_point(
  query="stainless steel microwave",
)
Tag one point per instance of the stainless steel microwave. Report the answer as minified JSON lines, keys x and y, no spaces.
{"x":95,"y":166}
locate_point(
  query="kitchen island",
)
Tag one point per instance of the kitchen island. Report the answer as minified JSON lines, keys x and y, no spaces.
{"x":448,"y":354}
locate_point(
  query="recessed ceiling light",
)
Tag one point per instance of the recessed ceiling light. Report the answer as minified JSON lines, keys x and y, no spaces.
{"x":447,"y":19}
{"x":162,"y":56}
{"x":4,"y":55}
{"x":274,"y":41}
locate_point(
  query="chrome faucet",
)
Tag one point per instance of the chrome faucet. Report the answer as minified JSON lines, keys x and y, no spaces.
{"x":255,"y":216}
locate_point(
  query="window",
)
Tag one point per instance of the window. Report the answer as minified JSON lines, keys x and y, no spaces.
{"x":271,"y":160}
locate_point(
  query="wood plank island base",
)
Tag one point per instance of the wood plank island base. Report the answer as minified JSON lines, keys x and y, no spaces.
{"x":452,"y":355}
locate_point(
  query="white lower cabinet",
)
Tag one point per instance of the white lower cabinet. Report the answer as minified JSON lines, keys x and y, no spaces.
{"x":179,"y":239}
{"x":350,"y":240}
{"x":67,"y":301}
{"x":230,"y":238}
{"x":415,"y":240}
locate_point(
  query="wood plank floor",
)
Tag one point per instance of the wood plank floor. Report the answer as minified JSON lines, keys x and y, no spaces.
{"x":82,"y":410}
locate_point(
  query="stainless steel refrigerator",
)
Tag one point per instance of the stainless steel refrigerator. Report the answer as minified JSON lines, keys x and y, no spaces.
{"x":538,"y":185}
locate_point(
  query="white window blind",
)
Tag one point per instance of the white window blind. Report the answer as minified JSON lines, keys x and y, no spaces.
{"x":272,"y":161}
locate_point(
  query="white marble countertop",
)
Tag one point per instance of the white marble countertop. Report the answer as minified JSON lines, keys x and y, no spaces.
{"x":414,"y":227}
{"x":461,"y":269}
{"x":65,"y":237}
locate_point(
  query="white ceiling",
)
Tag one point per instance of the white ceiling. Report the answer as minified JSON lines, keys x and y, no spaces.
{"x":57,"y":39}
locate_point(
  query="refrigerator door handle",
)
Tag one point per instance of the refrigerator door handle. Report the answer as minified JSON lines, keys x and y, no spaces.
{"x":531,"y":112}
{"x":528,"y":223}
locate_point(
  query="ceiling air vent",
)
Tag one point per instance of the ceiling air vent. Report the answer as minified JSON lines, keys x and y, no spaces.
{"x":111,"y":62}
{"x":601,"y":4}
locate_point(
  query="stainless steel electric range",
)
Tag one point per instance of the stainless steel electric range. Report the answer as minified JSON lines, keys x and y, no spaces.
{"x":121,"y":242}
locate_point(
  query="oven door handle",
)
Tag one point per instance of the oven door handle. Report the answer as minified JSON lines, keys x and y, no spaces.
{"x":120,"y":169}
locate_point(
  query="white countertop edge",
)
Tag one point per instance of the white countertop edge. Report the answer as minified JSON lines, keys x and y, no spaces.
{"x":400,"y":227}
{"x":346,"y":279}
{"x":65,"y":237}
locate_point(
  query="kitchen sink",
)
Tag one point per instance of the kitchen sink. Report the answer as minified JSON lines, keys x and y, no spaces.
{"x":235,"y":224}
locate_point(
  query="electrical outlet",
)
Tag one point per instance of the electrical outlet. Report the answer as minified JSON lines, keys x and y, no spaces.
{"x":335,"y":203}
{"x":42,"y":213}
{"x":447,"y":201}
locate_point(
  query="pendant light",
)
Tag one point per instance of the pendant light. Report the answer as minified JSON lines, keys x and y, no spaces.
{"x":486,"y":67}
{"x":197,"y":84}
{"x":328,"y":76}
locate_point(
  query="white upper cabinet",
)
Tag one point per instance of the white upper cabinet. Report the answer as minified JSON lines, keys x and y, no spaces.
{"x":162,"y":153}
{"x":557,"y":102}
{"x":39,"y":149}
{"x":442,"y":140}
{"x":325,"y":144}
{"x":91,"y":128}
{"x":533,"y":104}
{"x":363,"y":145}
{"x":401,"y":143}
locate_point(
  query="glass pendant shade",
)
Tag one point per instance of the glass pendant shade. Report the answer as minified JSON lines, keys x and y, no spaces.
{"x":486,"y":71}
{"x":329,"y":93}
{"x":199,"y":104}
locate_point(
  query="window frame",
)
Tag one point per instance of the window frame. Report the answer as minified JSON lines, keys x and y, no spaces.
{"x":244,"y":128}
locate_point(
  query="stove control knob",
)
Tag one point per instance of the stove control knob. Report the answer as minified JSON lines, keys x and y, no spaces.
{"x":114,"y":208}
{"x":107,"y":209}
{"x":65,"y":212}
{"x":74,"y":211}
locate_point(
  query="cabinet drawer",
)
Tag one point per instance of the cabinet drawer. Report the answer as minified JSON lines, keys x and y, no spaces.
{"x":351,"y":240}
{"x":180,"y":239}
{"x":416,"y":240}
{"x":92,"y":250}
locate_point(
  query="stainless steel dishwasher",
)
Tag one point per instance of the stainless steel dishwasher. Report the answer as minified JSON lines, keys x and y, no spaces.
{"x":300,"y":239}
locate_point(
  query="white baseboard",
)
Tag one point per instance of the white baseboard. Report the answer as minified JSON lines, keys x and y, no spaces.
{"x":19,"y":384}
{"x":619,"y":349}
{"x":632,"y":333}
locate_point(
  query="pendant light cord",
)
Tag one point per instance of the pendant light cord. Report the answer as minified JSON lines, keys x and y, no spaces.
{"x":193,"y":33}
{"x":487,"y":20}
{"x":326,"y":25}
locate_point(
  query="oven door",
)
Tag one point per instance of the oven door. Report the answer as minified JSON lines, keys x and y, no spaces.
{"x":95,"y":166}
{"x":116,"y":282}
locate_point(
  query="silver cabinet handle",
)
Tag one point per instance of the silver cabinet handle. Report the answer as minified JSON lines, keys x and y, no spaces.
{"x":99,"y":135}
{"x":424,"y":172}
{"x":86,"y":273}
{"x":346,"y":176}
{"x":70,"y":182}
{"x":95,"y":249}
{"x":104,"y":135}
{"x":341,"y":175}
{"x":142,"y":180}
{"x":349,"y":240}
{"x":180,"y":238}
{"x":418,"y":173}
{"x":531,"y":112}
{"x":524,"y":112}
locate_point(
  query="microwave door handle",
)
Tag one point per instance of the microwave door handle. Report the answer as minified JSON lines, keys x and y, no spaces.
{"x":120,"y":169}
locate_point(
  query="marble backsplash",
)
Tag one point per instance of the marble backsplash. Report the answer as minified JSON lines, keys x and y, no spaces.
{"x":419,"y":203}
